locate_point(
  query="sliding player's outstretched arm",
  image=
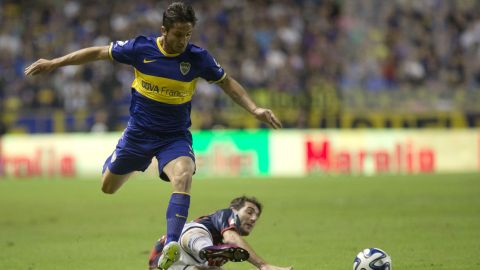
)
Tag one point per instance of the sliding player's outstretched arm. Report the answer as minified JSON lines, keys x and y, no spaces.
{"x":75,"y":58}
{"x":232,"y":237}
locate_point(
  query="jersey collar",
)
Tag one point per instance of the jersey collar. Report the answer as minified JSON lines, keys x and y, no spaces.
{"x":163,"y":51}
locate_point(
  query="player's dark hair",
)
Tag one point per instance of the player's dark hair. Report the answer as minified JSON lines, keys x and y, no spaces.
{"x":178,"y":12}
{"x":239,"y":202}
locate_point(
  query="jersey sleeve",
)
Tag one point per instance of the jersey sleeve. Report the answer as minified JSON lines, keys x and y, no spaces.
{"x":123,"y":51}
{"x":212,"y":71}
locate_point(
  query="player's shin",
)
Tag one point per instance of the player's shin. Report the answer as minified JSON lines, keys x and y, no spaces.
{"x":177,"y":213}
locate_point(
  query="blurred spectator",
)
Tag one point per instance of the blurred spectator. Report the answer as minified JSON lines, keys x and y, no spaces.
{"x":3,"y":130}
{"x":388,"y":50}
{"x":100,"y":122}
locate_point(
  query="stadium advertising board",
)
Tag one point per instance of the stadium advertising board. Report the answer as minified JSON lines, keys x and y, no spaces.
{"x":231,"y":153}
{"x":220,"y":153}
{"x":260,"y":153}
{"x":57,"y":155}
{"x":375,"y":152}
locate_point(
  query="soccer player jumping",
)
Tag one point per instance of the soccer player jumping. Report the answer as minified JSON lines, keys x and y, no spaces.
{"x":166,"y":71}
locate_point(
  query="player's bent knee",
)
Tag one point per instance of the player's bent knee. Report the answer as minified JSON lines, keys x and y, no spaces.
{"x":182,"y":180}
{"x":112,"y":182}
{"x":107,"y":187}
{"x":108,"y":190}
{"x":186,"y":175}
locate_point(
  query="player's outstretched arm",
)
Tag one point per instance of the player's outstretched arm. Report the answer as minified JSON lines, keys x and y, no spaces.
{"x":75,"y":58}
{"x":241,"y":97}
{"x":232,"y":237}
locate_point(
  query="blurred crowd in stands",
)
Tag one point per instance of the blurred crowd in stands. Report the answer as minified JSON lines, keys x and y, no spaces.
{"x":354,"y":56}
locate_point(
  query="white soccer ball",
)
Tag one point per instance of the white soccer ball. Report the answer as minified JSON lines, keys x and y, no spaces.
{"x":372,"y":259}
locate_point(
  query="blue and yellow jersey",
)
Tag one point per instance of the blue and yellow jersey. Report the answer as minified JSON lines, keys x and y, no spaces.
{"x":164,"y":83}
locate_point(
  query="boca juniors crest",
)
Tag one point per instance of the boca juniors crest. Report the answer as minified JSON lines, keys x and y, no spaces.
{"x":185,"y":67}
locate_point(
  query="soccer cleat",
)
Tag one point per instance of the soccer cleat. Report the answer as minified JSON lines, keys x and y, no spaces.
{"x":227,"y":252}
{"x":156,"y":253}
{"x":170,"y":254}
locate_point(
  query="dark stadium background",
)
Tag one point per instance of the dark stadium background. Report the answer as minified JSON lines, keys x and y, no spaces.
{"x":375,"y":63}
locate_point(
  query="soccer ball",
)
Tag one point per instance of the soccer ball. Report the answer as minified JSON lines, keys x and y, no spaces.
{"x":372,"y":259}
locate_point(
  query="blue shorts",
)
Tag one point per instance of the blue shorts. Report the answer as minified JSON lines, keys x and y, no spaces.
{"x":136,"y":148}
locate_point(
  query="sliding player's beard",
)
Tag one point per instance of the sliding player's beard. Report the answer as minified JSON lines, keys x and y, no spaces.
{"x":239,"y":227}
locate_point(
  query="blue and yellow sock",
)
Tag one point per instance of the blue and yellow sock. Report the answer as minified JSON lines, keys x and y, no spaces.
{"x":177,"y":213}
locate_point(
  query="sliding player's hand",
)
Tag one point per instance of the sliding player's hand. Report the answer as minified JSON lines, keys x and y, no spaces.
{"x":40,"y":66}
{"x":268,"y":117}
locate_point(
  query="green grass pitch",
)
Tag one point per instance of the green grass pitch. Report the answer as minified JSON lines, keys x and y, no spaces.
{"x":423,"y":222}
